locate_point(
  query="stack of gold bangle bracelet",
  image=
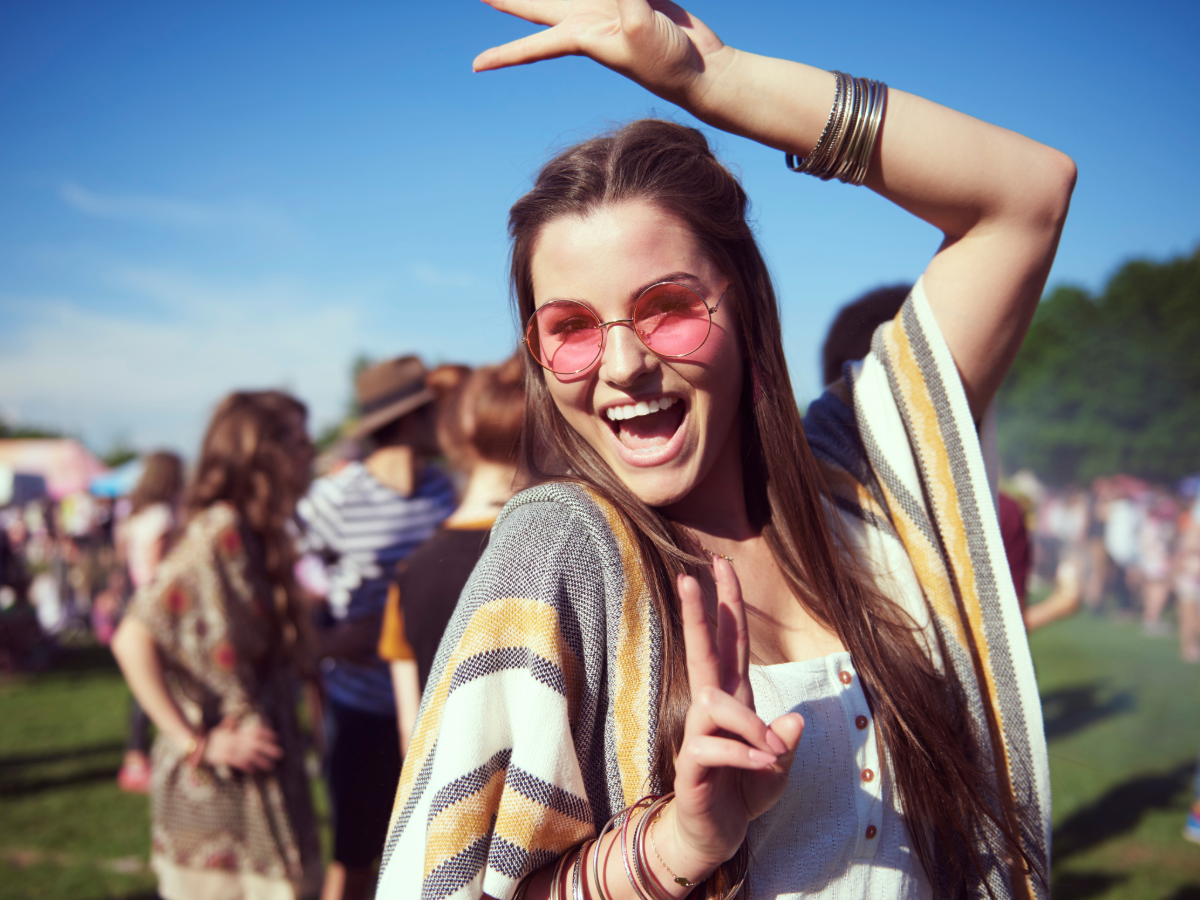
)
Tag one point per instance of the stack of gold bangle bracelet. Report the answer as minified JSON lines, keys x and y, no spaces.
{"x":844,"y":149}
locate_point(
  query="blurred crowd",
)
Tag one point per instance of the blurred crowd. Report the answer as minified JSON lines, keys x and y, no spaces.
{"x":60,"y":576}
{"x":273,"y":611}
{"x":1122,"y":547}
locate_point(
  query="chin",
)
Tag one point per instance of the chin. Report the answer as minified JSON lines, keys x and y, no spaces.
{"x":659,"y":489}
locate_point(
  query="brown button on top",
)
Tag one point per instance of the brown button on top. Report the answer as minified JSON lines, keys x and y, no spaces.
{"x":868,"y":775}
{"x":871,"y":832}
{"x":845,"y":677}
{"x":860,"y":723}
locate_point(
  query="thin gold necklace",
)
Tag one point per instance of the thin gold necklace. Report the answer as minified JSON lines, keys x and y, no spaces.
{"x":728,"y":559}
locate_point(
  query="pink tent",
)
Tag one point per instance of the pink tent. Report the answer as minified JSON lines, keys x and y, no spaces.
{"x":66,"y":464}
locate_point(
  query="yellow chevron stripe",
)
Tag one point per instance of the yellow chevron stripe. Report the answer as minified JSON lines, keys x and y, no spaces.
{"x":944,"y":497}
{"x":631,"y":703}
{"x":458,"y":826}
{"x":505,"y":622}
{"x":526,"y":823}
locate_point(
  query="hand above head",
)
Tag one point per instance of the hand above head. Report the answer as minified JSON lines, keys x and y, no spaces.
{"x":658,"y":44}
{"x":732,"y":767}
{"x":246,"y":746}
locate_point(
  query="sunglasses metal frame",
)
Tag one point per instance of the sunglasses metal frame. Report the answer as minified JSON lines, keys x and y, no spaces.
{"x":530,"y":323}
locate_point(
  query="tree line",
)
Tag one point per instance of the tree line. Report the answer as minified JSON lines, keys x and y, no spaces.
{"x":1110,"y":382}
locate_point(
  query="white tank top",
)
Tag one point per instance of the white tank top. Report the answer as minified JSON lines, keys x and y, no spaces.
{"x":836,"y":831}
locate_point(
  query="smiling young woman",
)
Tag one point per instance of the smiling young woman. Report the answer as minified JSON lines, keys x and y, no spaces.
{"x":865,"y":720}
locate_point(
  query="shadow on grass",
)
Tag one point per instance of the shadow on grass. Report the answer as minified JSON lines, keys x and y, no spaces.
{"x":1084,"y":885}
{"x":1187,"y":892}
{"x":31,"y":759}
{"x":89,"y":658}
{"x":1071,"y":709}
{"x":14,"y":782}
{"x":1118,"y":811}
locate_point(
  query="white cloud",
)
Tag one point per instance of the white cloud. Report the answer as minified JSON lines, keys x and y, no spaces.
{"x":244,"y":217}
{"x":105,"y":373}
{"x":434,"y":276}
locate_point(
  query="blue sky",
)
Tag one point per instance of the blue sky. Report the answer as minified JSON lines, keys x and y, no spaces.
{"x":199,"y":197}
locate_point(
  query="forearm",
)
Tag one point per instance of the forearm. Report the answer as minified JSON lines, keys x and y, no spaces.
{"x":136,"y":653}
{"x":407,"y":688}
{"x":999,"y":198}
{"x":950,"y":169}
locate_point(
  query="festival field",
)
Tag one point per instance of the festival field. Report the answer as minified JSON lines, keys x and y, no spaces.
{"x":1122,"y":716}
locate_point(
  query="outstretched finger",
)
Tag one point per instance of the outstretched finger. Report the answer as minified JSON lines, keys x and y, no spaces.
{"x":548,"y":44}
{"x":733,"y":634}
{"x":540,"y":12}
{"x":714,"y":711}
{"x":703,"y":663}
{"x":707,"y":751}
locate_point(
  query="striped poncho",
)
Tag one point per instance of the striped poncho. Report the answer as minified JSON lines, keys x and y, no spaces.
{"x":539,"y":718}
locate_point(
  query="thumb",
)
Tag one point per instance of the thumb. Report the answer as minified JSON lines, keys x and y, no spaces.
{"x":788,"y":728}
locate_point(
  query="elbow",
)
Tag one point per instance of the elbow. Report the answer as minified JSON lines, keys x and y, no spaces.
{"x":119,"y":645}
{"x":1055,"y":184}
{"x":128,"y":642}
{"x":1066,"y":173}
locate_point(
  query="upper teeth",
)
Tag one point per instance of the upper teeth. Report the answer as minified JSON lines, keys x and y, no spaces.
{"x":642,"y":408}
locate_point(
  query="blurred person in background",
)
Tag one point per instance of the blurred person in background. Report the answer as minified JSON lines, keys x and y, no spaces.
{"x":1186,"y":571}
{"x":1099,"y":567}
{"x":479,"y":427}
{"x":364,"y":519}
{"x":1122,"y":522}
{"x":1156,"y":540}
{"x":143,"y":540}
{"x":207,"y":647}
{"x":849,"y":337}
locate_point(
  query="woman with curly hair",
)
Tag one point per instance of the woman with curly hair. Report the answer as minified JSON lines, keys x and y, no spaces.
{"x":206,"y":649}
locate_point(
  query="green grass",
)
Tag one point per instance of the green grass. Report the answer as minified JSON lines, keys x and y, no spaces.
{"x":65,"y":827}
{"x":1122,"y":715}
{"x":1123,"y":721}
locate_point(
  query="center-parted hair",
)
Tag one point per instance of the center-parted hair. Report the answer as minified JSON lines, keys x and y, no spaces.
{"x":944,"y":784}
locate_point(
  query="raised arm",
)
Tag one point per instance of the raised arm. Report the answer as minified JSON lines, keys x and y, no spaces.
{"x":1000,"y":199}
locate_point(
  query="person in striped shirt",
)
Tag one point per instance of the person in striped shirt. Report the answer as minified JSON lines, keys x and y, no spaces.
{"x":364,"y":519}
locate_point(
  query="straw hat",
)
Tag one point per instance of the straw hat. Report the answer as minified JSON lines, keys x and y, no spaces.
{"x":388,"y":391}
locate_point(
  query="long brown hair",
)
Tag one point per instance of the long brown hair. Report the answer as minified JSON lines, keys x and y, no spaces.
{"x":161,"y":481}
{"x":244,"y":462}
{"x":945,"y":784}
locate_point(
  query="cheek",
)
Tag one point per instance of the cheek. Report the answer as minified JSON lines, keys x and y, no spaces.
{"x":572,"y":394}
{"x":721,"y":359}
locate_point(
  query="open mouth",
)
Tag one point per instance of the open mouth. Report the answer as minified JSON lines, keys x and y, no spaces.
{"x":647,"y":424}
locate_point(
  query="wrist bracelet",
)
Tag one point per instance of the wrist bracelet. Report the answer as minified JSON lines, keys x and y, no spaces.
{"x":847,"y":143}
{"x":632,"y":870}
{"x":678,"y":879}
{"x":555,"y":892}
{"x":576,"y":885}
{"x":195,"y":750}
{"x":639,"y":848}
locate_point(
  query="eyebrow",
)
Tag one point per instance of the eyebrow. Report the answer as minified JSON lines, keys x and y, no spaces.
{"x":679,"y":277}
{"x":685,"y":278}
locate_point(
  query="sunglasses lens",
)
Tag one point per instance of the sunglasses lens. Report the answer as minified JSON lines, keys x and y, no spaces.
{"x":564,"y":336}
{"x":672,"y":319}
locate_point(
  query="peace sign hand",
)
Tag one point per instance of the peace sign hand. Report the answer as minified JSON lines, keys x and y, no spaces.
{"x":658,"y":44}
{"x":732,"y":767}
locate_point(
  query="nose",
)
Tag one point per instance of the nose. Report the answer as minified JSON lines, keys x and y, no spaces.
{"x":625,"y":359}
